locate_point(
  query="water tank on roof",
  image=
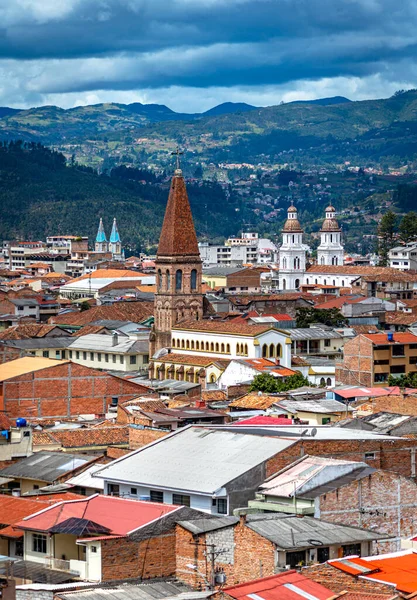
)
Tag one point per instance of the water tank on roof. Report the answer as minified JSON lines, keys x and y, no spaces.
{"x":5,"y":434}
{"x":390,"y":336}
{"x":21,"y":422}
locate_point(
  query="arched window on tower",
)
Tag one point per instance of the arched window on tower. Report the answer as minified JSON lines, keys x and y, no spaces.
{"x":159,"y":280}
{"x":284,"y":284}
{"x":264,"y":351}
{"x":228,"y":348}
{"x":194,"y":279}
{"x":168,"y":280}
{"x":178,"y":280}
{"x":271,"y":351}
{"x":279,"y":351}
{"x":329,"y":382}
{"x":284,"y":263}
{"x":322,"y":260}
{"x":297,"y":284}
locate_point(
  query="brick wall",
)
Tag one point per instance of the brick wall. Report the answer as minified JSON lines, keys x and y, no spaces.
{"x":396,"y":455}
{"x":357,"y":365}
{"x":63,"y":390}
{"x":383,"y":502}
{"x":246,"y":555}
{"x":7,"y":353}
{"x":141,"y":437}
{"x":125,"y":559}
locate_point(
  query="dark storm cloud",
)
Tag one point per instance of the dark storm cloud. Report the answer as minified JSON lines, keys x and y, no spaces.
{"x":83,"y":45}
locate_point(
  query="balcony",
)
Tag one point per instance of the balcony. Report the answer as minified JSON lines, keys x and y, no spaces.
{"x":77,"y":568}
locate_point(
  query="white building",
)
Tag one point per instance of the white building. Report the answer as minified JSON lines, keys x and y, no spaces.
{"x":232,"y":340}
{"x":403,"y":258}
{"x":330,"y":251}
{"x":292,"y":254}
{"x":248,"y":249}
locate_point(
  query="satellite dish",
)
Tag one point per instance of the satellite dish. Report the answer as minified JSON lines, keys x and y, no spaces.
{"x":304,"y":433}
{"x":161,"y":353}
{"x":313,"y":432}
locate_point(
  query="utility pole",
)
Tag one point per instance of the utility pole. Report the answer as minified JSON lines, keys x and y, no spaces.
{"x":210,"y":553}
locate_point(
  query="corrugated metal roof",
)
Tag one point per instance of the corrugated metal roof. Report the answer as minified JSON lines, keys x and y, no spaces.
{"x":85,"y":479}
{"x":46,"y":466}
{"x":148,"y":591}
{"x":292,"y":532}
{"x":313,"y":333}
{"x":204,"y":525}
{"x":315,"y":406}
{"x":200,"y":459}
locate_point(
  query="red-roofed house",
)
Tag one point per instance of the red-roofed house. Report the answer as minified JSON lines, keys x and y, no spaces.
{"x":103,"y":538}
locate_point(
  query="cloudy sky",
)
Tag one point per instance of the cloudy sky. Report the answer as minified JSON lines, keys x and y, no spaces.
{"x":193,"y":54}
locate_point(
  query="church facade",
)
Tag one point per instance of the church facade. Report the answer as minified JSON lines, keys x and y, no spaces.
{"x":293,"y":270}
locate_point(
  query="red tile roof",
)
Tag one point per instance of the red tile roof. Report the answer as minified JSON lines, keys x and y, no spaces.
{"x":178,"y":237}
{"x":119,"y":311}
{"x":289,"y":585}
{"x":381,"y":339}
{"x":231,"y":327}
{"x":83,"y":438}
{"x":119,"y":515}
{"x":400,"y":318}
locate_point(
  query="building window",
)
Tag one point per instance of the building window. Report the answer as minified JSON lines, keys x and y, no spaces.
{"x":39,"y":543}
{"x":228,"y":348}
{"x":99,"y":356}
{"x":133,"y":360}
{"x":133,"y":491}
{"x":45,"y":353}
{"x":70,"y":353}
{"x":222,"y":506}
{"x":326,"y":343}
{"x":194,"y":279}
{"x":369,"y":456}
{"x":397,"y":369}
{"x":398,"y":350}
{"x":122,"y":359}
{"x":91,"y":355}
{"x":159,"y":280}
{"x":181,"y":499}
{"x":178,"y":280}
{"x":84,"y":355}
{"x":57,"y":354}
{"x":113,"y":489}
{"x":350,"y":549}
{"x":156,"y":496}
{"x":168,"y":275}
{"x":93,"y":549}
{"x":106,"y":357}
{"x":114,"y":358}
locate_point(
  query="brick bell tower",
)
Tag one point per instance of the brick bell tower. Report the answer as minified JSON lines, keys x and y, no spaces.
{"x":178,"y":268}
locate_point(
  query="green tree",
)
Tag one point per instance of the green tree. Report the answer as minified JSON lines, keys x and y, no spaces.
{"x":386,"y":235}
{"x":331,"y":317}
{"x":408,"y":227}
{"x":404,"y":381}
{"x":267,"y":383}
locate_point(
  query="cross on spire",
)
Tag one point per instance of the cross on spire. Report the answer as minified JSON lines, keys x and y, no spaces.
{"x":177,"y":152}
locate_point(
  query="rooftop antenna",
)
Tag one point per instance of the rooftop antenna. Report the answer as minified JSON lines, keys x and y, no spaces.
{"x":177,"y":152}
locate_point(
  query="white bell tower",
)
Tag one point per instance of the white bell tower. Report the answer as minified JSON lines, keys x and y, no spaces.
{"x":330,"y":252}
{"x":292,"y":254}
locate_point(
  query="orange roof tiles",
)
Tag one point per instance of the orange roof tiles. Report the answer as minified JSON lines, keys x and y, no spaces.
{"x":178,"y":237}
{"x":119,"y":311}
{"x":83,"y":438}
{"x":228,"y":327}
{"x":188,"y":359}
{"x":400,"y":318}
{"x":14,"y":509}
{"x":255,"y":401}
{"x":370,"y":273}
{"x":381,"y":339}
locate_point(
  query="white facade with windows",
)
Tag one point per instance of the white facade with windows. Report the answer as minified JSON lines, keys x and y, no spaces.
{"x":270,"y":343}
{"x":403,"y":258}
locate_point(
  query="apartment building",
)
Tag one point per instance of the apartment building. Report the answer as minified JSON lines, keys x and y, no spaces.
{"x":403,"y":258}
{"x":369,"y":359}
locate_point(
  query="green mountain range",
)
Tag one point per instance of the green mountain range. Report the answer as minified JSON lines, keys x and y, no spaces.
{"x":325,"y":131}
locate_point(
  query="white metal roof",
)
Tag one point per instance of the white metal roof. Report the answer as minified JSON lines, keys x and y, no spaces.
{"x":86,"y":480}
{"x":199,"y":459}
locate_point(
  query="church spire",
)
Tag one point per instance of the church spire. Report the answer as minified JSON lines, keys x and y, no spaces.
{"x":101,"y":235}
{"x":101,"y":244}
{"x":114,"y":236}
{"x":178,"y":237}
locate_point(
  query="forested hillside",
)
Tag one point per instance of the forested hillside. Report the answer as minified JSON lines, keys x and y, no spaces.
{"x":40,"y":195}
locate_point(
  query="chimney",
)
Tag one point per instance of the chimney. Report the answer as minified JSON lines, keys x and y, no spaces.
{"x":114,"y":339}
